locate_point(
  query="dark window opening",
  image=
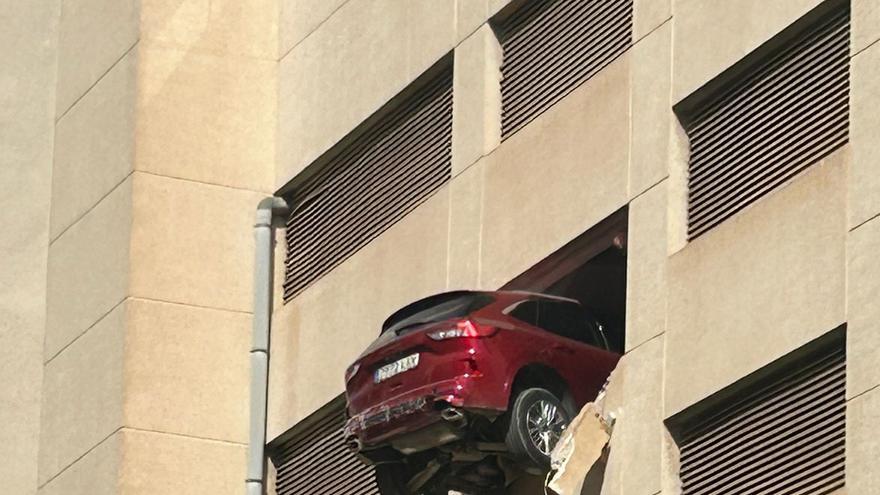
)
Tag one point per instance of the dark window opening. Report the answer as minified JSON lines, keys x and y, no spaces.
{"x":590,"y":269}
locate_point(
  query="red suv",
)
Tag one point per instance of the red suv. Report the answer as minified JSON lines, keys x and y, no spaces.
{"x":461,"y":387}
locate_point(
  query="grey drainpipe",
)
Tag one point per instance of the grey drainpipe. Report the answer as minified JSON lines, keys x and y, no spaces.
{"x":264,"y":237}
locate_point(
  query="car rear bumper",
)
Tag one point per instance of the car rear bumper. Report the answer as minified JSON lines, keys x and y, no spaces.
{"x":414,"y":420}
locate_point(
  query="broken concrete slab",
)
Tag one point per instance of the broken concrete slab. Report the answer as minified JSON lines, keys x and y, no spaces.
{"x":580,"y":455}
{"x":580,"y":447}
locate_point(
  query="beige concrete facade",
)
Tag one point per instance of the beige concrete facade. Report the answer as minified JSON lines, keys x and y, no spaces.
{"x":139,"y":135}
{"x":130,"y":185}
{"x":27,"y":108}
{"x":799,"y":257}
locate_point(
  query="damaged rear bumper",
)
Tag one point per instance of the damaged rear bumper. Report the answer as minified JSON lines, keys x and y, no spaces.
{"x":417,"y":420}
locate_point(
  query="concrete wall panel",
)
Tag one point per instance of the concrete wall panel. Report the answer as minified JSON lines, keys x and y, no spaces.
{"x":362,"y":56}
{"x":187,"y":370}
{"x":758,"y":286}
{"x":300,"y":18}
{"x":234,"y":27}
{"x":634,"y":465}
{"x":465,"y":225}
{"x":862,"y":309}
{"x":864,"y":181}
{"x":652,"y":116}
{"x":192,"y":243}
{"x":282,"y":411}
{"x":88,"y":269}
{"x":95,"y":473}
{"x":94,"y":145}
{"x":161,"y":463}
{"x":648,"y":15}
{"x":27,"y":110}
{"x":710,"y":36}
{"x":476,"y":125}
{"x":206,"y":118}
{"x":862,"y":445}
{"x":82,"y":395}
{"x":646,"y":267}
{"x":865,"y":24}
{"x":92,"y":36}
{"x":556,"y":177}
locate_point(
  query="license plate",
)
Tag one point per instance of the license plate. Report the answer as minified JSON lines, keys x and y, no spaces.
{"x":396,"y":368}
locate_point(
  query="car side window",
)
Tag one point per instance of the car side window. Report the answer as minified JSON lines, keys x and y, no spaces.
{"x":527,"y":312}
{"x":569,"y":320}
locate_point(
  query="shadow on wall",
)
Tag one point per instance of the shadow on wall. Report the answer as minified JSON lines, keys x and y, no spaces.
{"x":596,"y":475}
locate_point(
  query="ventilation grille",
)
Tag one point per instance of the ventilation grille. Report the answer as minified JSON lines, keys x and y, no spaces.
{"x":551,"y":47}
{"x":372,"y":183}
{"x":783,"y":117}
{"x":316,"y":461}
{"x":787,"y":438}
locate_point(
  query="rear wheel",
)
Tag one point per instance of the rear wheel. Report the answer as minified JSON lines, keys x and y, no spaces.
{"x":537,"y":420}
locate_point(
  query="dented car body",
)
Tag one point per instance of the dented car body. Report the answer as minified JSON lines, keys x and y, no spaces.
{"x":446,"y":368}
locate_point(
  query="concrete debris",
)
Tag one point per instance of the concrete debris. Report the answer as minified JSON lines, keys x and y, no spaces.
{"x":580,"y":447}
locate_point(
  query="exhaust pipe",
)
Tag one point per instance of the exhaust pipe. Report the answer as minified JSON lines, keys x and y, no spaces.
{"x":454,"y":417}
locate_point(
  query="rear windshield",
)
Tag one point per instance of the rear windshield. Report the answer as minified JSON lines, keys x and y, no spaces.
{"x":434,"y":309}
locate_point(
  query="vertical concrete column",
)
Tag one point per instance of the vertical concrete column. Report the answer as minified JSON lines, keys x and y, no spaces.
{"x":864,"y":182}
{"x":635,"y":396}
{"x":651,"y":109}
{"x":165,"y":139}
{"x":646,"y":266}
{"x":648,"y":15}
{"x":206,"y":126}
{"x":476,"y":125}
{"x":863,"y":246}
{"x":476,"y":131}
{"x":89,"y":238}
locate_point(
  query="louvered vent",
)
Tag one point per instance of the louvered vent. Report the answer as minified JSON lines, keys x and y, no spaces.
{"x":374,"y":181}
{"x":315,"y":461}
{"x":786,"y":437}
{"x":782,"y":117}
{"x":551,"y":47}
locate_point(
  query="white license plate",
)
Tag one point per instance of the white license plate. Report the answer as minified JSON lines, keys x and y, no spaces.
{"x":396,"y":368}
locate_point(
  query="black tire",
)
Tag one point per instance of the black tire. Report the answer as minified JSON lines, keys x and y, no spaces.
{"x":530,"y":405}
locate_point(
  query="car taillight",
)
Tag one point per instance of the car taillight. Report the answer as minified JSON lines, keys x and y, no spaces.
{"x":464,"y":328}
{"x":351,"y":371}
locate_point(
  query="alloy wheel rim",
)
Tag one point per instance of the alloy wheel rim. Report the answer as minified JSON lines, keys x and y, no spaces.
{"x":545,"y":423}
